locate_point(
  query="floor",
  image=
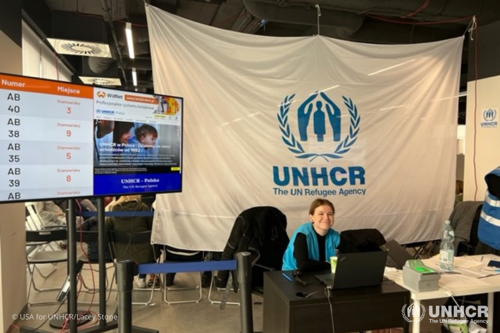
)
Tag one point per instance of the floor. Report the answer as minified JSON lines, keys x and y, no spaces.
{"x":166,"y":318}
{"x":169,"y":318}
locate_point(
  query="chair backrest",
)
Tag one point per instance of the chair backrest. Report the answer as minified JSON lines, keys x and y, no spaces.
{"x":465,"y":220}
{"x":175,"y":254}
{"x":33,"y":221}
{"x":474,"y":239}
{"x":47,"y":235}
{"x":361,"y":240}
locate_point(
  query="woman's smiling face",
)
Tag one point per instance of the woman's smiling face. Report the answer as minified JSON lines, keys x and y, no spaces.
{"x":322,"y":219}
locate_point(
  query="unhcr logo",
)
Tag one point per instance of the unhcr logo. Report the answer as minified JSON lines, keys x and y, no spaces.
{"x":413,"y":313}
{"x":489,"y":118}
{"x":316,"y":133}
{"x":324,"y":113}
{"x":445,"y":313}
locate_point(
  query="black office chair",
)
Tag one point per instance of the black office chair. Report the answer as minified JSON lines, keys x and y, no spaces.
{"x":361,"y":240}
{"x":261,"y":231}
{"x":179,"y":255}
{"x":38,"y":252}
{"x":130,"y":239}
{"x":465,"y":220}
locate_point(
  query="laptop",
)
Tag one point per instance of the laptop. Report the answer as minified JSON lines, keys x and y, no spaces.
{"x":397,"y":254}
{"x":362,"y":269}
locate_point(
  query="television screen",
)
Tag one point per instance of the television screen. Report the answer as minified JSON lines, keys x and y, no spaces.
{"x":64,"y":140}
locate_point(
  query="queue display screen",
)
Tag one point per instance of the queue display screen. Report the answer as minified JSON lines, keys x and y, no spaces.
{"x":63,"y":140}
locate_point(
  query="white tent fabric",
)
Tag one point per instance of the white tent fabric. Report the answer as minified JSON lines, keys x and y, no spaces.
{"x":378,"y":140}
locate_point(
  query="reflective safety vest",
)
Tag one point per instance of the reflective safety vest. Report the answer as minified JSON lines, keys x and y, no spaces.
{"x":489,"y":221}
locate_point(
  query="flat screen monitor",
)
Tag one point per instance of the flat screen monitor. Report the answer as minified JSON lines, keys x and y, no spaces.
{"x":64,"y":140}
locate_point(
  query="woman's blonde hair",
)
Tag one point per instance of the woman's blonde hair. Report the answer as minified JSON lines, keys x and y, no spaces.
{"x":124,"y":198}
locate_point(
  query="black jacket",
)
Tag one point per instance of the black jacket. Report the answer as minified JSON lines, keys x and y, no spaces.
{"x":262,"y":232}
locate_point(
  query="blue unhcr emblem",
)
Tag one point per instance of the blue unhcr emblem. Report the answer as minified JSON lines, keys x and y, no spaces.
{"x":489,"y":114}
{"x":319,"y":111}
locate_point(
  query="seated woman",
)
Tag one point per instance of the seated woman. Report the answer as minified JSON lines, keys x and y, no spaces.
{"x":314,"y":242}
{"x":140,"y":253}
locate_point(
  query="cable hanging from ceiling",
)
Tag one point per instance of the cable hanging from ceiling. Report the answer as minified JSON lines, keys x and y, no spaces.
{"x":318,"y":15}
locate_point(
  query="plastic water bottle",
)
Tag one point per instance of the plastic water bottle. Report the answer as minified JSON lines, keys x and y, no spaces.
{"x":447,"y":249}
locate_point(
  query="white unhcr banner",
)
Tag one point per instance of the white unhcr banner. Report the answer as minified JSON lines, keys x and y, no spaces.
{"x":279,"y":122}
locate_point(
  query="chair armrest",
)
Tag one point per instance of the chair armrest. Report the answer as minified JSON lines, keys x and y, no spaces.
{"x":267,"y":268}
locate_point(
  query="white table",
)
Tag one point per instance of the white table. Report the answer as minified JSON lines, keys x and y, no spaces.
{"x":453,"y":284}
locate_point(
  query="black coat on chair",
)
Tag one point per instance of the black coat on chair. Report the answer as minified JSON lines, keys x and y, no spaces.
{"x":262,"y":232}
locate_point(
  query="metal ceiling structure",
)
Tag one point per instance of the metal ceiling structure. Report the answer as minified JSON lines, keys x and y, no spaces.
{"x":369,"y":21}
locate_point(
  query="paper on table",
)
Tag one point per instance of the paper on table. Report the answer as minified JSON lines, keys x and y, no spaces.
{"x":450,"y":281}
{"x":475,"y":266}
{"x":471,"y":266}
{"x":467,"y":262}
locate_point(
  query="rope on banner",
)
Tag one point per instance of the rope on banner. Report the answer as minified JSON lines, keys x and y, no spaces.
{"x":476,"y":78}
{"x":471,"y":27}
{"x":318,"y":14}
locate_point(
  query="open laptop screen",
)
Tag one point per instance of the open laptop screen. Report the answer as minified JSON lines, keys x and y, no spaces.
{"x":355,"y":270}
